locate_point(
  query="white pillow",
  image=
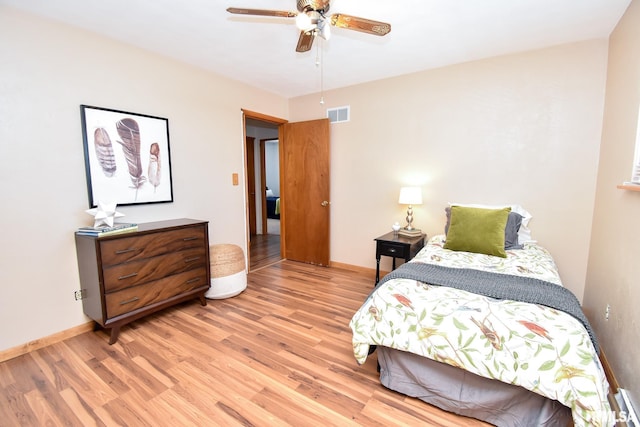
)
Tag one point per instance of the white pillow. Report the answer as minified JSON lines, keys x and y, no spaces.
{"x":269,"y":192}
{"x":524,"y":234}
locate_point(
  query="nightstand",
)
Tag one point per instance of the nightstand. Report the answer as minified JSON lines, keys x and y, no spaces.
{"x":397,"y":246}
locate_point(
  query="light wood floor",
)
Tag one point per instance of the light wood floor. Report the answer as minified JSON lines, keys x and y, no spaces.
{"x":277,"y":354}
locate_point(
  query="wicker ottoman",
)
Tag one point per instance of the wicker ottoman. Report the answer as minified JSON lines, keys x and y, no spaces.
{"x":228,"y":272}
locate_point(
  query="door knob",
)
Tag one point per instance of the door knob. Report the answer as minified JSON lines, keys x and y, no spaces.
{"x":324,"y":203}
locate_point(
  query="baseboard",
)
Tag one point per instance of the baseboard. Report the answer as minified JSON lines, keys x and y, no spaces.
{"x":357,"y":268}
{"x":351,"y":267}
{"x":608,"y":371}
{"x":43,"y":342}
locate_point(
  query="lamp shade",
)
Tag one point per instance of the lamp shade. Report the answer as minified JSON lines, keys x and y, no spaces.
{"x":410,"y":196}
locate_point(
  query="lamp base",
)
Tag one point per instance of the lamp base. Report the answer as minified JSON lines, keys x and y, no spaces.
{"x":414,"y":232}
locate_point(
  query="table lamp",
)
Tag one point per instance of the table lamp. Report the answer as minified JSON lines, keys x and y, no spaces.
{"x":410,"y":196}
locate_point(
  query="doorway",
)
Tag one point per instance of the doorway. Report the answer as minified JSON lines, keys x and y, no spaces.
{"x":263,"y":189}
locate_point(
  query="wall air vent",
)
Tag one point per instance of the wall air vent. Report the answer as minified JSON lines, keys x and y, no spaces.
{"x":338,"y":114}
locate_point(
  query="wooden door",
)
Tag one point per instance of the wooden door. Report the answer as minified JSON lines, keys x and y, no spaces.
{"x":305,"y":195}
{"x":251,"y":185}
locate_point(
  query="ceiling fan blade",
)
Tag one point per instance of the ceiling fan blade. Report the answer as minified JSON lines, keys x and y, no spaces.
{"x":360,"y":24}
{"x":262,"y":12}
{"x":305,"y":41}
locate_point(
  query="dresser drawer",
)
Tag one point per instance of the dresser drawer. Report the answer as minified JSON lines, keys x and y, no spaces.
{"x":130,"y":299}
{"x":393,"y":250}
{"x":133,"y":273}
{"x":137,"y":247}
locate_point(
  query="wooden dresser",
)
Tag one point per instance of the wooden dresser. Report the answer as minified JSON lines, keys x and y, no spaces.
{"x":129,"y":275}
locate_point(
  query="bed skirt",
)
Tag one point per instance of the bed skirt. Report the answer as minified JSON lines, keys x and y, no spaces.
{"x":456,"y":390}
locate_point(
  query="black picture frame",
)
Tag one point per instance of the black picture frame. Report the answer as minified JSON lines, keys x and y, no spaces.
{"x":127,"y":157}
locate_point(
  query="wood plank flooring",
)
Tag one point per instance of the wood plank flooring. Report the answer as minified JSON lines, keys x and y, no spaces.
{"x":264,"y":250}
{"x":277,"y":354}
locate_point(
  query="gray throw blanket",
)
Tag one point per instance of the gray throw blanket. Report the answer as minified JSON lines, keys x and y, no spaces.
{"x":496,"y":285}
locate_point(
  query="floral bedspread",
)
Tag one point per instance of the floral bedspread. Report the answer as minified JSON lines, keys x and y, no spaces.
{"x":539,"y":348}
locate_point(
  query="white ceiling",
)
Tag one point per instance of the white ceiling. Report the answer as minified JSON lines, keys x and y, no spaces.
{"x":261,"y":50}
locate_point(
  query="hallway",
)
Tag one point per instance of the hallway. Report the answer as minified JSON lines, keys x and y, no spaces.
{"x":264,"y":250}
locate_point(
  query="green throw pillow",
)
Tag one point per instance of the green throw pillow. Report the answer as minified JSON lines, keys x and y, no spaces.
{"x":477,"y":230}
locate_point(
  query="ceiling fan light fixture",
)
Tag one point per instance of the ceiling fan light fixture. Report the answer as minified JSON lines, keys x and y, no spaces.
{"x":305,"y":23}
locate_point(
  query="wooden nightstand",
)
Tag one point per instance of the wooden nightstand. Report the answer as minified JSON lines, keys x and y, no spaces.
{"x":397,"y":246}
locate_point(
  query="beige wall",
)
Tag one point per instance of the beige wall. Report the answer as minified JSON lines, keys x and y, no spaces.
{"x":47,"y":71}
{"x":519,"y":129}
{"x":613,"y":275}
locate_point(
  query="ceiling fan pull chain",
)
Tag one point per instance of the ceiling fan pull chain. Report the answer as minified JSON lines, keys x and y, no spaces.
{"x":320,"y":63}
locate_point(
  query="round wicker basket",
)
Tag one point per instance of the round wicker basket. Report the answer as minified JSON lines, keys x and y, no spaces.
{"x":226,"y":259}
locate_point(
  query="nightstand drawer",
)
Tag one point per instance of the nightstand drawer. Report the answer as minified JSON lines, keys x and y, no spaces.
{"x":393,"y":250}
{"x":397,"y":246}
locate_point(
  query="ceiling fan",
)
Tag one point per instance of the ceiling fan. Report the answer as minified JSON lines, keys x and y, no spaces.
{"x":312,"y":21}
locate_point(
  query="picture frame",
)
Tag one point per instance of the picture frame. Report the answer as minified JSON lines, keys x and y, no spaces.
{"x":127,"y":157}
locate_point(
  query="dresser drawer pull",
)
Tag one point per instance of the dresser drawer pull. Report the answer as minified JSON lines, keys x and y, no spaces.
{"x":193,"y":258}
{"x":186,"y":239}
{"x":194,"y":280}
{"x":392,"y":250}
{"x":128,"y":276}
{"x":124,"y":251}
{"x":129,"y":301}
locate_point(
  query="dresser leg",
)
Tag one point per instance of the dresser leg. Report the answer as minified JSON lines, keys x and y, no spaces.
{"x":115,"y":331}
{"x":203,"y":300}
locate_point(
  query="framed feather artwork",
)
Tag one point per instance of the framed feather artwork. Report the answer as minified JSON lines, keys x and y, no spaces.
{"x":127,"y":157}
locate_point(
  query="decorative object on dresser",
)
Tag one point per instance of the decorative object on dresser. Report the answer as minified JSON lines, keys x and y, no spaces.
{"x":410,"y":196}
{"x":105,"y":214}
{"x":127,"y":276}
{"x":127,"y":157}
{"x":397,"y":246}
{"x":105,"y":230}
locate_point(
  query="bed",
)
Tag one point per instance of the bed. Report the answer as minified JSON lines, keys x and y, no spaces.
{"x":273,"y":207}
{"x":479,"y":324}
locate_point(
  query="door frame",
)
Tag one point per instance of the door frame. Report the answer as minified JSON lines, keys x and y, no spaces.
{"x":263,"y":178}
{"x":263,"y":186}
{"x":251,"y":186}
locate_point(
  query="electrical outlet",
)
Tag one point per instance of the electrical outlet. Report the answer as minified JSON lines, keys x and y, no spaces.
{"x":607,"y":312}
{"x":78,"y":295}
